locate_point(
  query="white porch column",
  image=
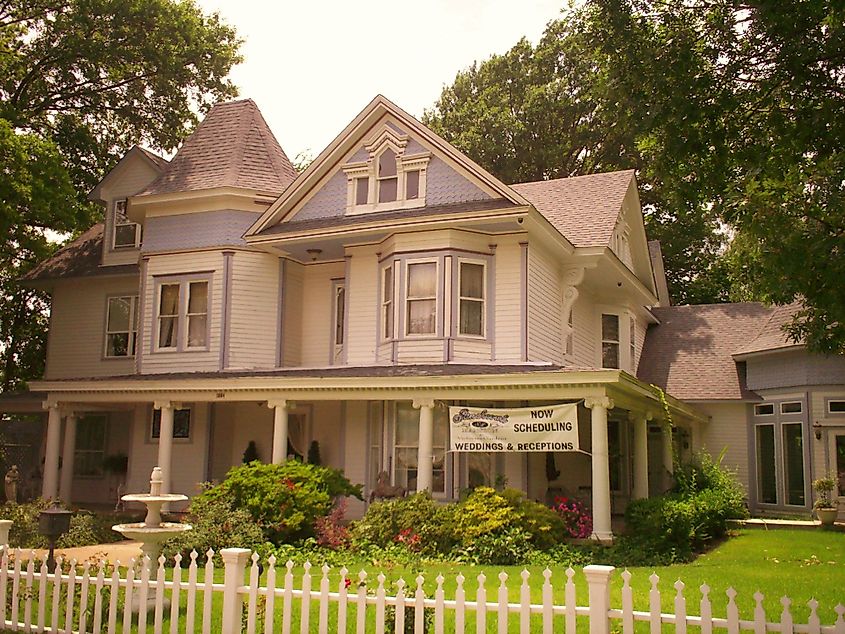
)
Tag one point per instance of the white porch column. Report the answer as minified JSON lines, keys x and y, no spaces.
{"x":425,"y":452}
{"x":601,"y":466}
{"x":68,"y":458}
{"x":50,"y":483}
{"x":280,"y":429}
{"x":640,"y":422}
{"x":165,"y":442}
{"x":667,"y":453}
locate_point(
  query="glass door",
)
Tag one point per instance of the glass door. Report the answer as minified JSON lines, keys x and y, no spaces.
{"x":837,"y":462}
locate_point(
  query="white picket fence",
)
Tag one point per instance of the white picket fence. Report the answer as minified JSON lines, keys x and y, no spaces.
{"x":88,"y":598}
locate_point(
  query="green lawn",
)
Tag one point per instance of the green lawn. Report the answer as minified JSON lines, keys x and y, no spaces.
{"x":800,"y":564}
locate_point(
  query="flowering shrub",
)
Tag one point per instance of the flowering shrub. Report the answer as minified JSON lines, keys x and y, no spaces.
{"x":330,"y":530}
{"x":408,"y":537}
{"x":577,"y":519}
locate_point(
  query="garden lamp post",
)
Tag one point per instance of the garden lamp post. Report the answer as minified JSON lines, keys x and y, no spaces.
{"x":52,"y":523}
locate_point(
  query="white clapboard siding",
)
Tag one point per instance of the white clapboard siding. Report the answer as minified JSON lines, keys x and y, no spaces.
{"x":544,"y":306}
{"x":508,"y":309}
{"x":254,"y":310}
{"x":586,"y":331}
{"x":362,"y":294}
{"x":317,"y":311}
{"x":471,"y":351}
{"x":292,"y":316}
{"x":76,"y":342}
{"x":307,"y":601}
{"x":728,"y":432}
{"x":174,"y":265}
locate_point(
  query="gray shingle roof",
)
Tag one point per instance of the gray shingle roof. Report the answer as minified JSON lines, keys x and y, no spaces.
{"x":79,"y":258}
{"x":689,"y":354}
{"x":583,"y":208}
{"x":232,"y":147}
{"x":771,"y":335}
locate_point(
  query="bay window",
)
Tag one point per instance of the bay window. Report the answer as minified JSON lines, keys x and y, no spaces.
{"x":182,"y":315}
{"x":471,"y":300}
{"x":121,"y":326}
{"x":421,"y":299}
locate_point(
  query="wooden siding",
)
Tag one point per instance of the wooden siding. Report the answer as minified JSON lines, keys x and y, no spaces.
{"x":76,"y":340}
{"x":585,"y":331}
{"x":133,"y":178}
{"x":544,"y":307}
{"x":254,"y":310}
{"x":471,"y":351}
{"x":728,"y":431}
{"x":318,"y":312}
{"x":177,"y":265}
{"x":362,"y":293}
{"x":508,"y":315}
{"x":292,"y":287}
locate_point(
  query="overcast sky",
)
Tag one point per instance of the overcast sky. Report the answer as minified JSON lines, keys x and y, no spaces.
{"x":312,"y":65}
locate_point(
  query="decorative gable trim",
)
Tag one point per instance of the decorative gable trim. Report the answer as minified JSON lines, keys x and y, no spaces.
{"x":329,"y":159}
{"x":362,"y":177}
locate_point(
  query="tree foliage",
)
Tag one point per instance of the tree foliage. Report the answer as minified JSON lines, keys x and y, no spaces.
{"x":732,"y":113}
{"x":81,"y":81}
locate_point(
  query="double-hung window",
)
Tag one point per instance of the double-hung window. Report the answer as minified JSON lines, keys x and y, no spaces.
{"x":421,"y":299}
{"x":387,"y":303}
{"x":471,"y":299}
{"x":127,"y":234}
{"x":183,"y":315}
{"x":610,"y":341}
{"x":121,"y":326}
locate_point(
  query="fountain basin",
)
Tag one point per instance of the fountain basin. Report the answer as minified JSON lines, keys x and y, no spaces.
{"x":154,"y":502}
{"x":139,"y":531}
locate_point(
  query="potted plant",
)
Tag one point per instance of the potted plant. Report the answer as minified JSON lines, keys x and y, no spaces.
{"x":825,"y":505}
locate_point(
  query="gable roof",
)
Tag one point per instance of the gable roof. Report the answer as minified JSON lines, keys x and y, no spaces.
{"x":771,"y":335}
{"x":689,"y":353}
{"x":583,"y":208}
{"x":231,"y":147}
{"x":78,"y":258}
{"x":328,"y":159}
{"x":157,"y":162}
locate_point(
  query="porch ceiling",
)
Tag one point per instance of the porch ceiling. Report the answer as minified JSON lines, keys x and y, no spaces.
{"x":406,"y":382}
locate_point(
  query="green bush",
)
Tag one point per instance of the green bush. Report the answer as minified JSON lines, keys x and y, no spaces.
{"x":689,"y":518}
{"x":215,"y":525}
{"x":283,"y":499}
{"x":509,"y":545}
{"x":416,"y":519}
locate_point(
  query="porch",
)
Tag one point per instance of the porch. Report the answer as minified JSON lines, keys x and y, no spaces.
{"x":379,"y":419}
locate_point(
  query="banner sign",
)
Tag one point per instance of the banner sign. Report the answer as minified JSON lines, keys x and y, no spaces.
{"x":545,"y":428}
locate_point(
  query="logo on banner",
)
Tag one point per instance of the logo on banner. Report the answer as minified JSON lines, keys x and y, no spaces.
{"x":548,"y":428}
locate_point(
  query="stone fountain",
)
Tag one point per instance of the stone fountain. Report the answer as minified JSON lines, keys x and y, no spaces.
{"x":152,"y":532}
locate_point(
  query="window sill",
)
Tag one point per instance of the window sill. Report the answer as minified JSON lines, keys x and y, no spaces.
{"x":399,"y":205}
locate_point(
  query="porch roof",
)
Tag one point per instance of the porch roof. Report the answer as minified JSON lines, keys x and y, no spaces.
{"x":22,"y":402}
{"x":403,"y":382}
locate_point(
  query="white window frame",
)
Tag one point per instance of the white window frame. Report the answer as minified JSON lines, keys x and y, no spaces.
{"x":386,"y":138}
{"x":406,"y":299}
{"x":798,"y":413}
{"x":388,"y":303}
{"x":618,"y":341}
{"x":482,"y":300}
{"x":338,"y":333}
{"x":632,"y":343}
{"x":178,"y":439}
{"x":132,"y":339}
{"x":829,"y":409}
{"x":758,"y":405}
{"x":119,"y":207}
{"x":182,"y":315}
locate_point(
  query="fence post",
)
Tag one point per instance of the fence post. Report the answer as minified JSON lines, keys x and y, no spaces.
{"x":234,"y":560}
{"x":598,"y":584}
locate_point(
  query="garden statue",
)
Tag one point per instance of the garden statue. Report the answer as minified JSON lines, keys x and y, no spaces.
{"x":11,"y":484}
{"x":385,"y":490}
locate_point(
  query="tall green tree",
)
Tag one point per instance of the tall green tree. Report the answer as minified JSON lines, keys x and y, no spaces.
{"x":773,"y":80}
{"x":81,"y":81}
{"x":733,"y":114}
{"x":558,"y":109}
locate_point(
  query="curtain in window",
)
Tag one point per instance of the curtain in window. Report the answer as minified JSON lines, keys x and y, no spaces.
{"x":168,"y":315}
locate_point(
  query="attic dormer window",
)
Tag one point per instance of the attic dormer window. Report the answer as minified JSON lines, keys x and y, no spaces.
{"x":126,"y":234}
{"x":390,"y":178}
